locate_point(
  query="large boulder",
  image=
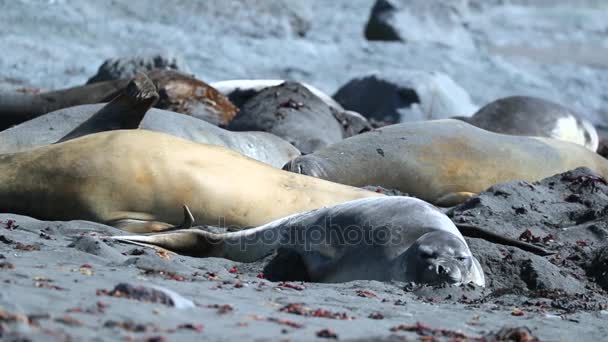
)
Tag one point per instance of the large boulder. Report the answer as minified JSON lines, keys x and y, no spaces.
{"x":440,"y":22}
{"x":127,"y":67}
{"x":405,"y":96}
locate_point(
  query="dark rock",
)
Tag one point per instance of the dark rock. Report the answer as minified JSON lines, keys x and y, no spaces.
{"x":127,"y":67}
{"x":405,"y":96}
{"x":598,"y":267}
{"x":293,"y":113}
{"x":440,"y":22}
{"x":544,"y":217}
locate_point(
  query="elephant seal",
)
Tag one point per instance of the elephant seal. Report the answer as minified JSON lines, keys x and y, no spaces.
{"x":239,"y":91}
{"x":51,"y":127}
{"x":293,"y":113}
{"x":385,"y":238}
{"x":133,"y":178}
{"x":177,"y":92}
{"x":124,"y":112}
{"x":531,"y":116}
{"x":443,"y":162}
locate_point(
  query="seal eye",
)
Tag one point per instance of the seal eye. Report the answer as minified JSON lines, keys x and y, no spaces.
{"x":461,"y":258}
{"x":426,"y":255}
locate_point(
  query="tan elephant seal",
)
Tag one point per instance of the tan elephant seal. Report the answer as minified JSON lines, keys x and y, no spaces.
{"x":443,"y":162}
{"x":134,"y":178}
{"x":52,"y":127}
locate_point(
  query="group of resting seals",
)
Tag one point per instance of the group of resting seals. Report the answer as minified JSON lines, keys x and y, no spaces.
{"x":97,"y":166}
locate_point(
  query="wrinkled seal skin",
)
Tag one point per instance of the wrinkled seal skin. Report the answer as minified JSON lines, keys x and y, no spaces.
{"x":531,"y":116}
{"x":385,"y":238}
{"x":178,"y":92}
{"x":51,"y":127}
{"x":136,"y":180}
{"x":444,"y":161}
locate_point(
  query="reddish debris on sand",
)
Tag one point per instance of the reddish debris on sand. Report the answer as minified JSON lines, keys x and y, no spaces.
{"x":27,"y":248}
{"x":366,"y":294}
{"x":42,"y":282}
{"x":285,"y":322}
{"x":238,"y":285}
{"x":221,"y":309}
{"x":7,"y":266}
{"x":517,"y":312}
{"x":291,"y":286}
{"x":326,"y":333}
{"x":139,"y":293}
{"x":376,"y":315}
{"x":582,"y":243}
{"x":211,"y":276}
{"x":527,"y":236}
{"x":233,"y":270}
{"x":10,"y":224}
{"x":167,"y":275}
{"x":424,"y":330}
{"x":70,"y":321}
{"x":260,"y":276}
{"x":300,"y":309}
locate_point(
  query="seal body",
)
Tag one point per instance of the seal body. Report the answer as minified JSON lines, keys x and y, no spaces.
{"x":293,"y":113}
{"x":531,"y":116}
{"x":140,"y":177}
{"x":444,"y":161}
{"x":51,"y":127}
{"x":385,"y":238}
{"x":239,"y":91}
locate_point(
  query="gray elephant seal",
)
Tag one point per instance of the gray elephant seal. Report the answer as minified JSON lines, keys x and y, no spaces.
{"x":51,"y":127}
{"x":239,"y":91}
{"x":385,"y":238}
{"x":443,"y":162}
{"x":293,"y":113}
{"x":133,"y":178}
{"x":176,"y":91}
{"x":531,"y":116}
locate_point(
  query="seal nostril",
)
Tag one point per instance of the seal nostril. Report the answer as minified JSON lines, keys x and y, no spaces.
{"x":441,"y":269}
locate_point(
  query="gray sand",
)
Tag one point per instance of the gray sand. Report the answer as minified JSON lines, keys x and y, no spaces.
{"x":55,"y":275}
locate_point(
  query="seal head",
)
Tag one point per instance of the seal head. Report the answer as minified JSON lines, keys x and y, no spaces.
{"x":438,"y":257}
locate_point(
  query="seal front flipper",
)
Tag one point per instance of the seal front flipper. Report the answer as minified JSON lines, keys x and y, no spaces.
{"x":124,"y":112}
{"x":454,"y":198}
{"x":139,"y":222}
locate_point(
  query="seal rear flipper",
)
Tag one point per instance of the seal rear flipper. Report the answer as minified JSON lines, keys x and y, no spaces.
{"x":191,"y":242}
{"x":453,"y":198}
{"x":124,"y":112}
